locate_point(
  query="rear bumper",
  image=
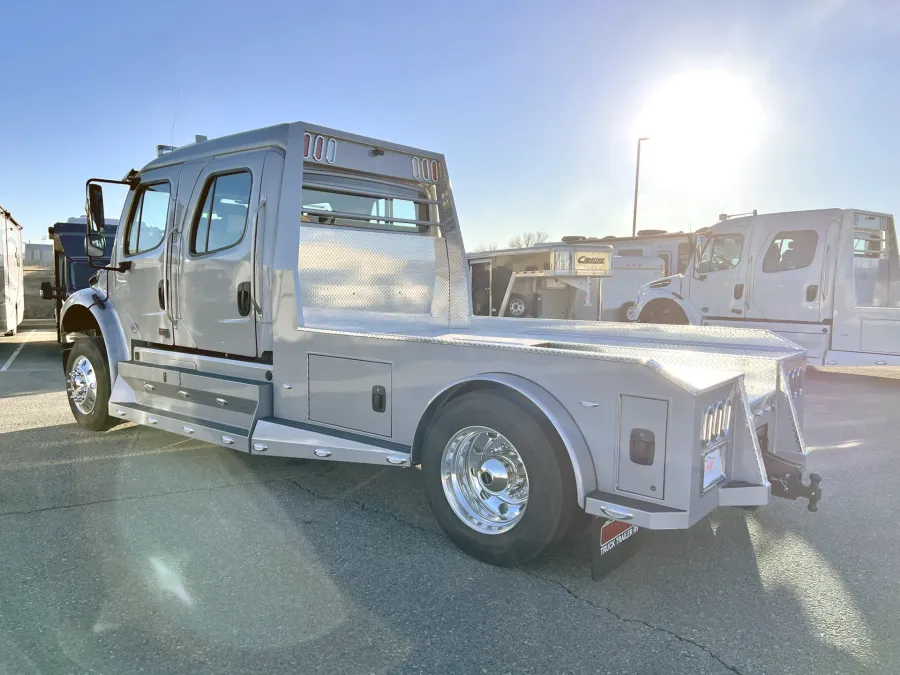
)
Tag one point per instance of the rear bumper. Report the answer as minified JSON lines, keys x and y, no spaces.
{"x":658,"y":517}
{"x":767,"y":457}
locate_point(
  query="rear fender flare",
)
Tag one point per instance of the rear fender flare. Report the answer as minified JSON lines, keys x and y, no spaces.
{"x":107,"y":322}
{"x":556,"y":414}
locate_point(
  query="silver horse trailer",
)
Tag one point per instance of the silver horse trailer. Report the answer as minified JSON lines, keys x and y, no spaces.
{"x":12,"y":274}
{"x":299,"y":291}
{"x":559,"y":281}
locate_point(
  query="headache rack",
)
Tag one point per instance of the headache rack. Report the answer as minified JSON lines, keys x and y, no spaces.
{"x":404,"y":193}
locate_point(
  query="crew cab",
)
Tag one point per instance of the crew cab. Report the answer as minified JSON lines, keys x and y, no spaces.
{"x":827,"y":280}
{"x":300,"y":291}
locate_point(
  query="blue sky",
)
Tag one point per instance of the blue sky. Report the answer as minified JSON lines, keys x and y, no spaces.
{"x":536,"y":105}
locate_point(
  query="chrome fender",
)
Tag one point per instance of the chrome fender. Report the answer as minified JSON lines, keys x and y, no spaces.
{"x":572,"y":439}
{"x":107,"y":320}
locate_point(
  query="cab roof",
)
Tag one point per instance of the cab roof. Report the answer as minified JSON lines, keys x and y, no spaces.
{"x":269,"y":137}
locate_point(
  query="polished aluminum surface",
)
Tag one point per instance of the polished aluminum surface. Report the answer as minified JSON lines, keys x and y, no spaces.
{"x":81,"y":384}
{"x":365,"y":273}
{"x":484,"y":480}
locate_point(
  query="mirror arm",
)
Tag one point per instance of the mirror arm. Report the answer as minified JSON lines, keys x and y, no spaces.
{"x":122,"y":266}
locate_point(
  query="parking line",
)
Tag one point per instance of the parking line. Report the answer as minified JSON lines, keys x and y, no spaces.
{"x":21,"y":346}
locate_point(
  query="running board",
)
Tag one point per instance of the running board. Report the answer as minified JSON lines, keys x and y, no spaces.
{"x":287,"y":439}
{"x":216,"y":400}
{"x":227,"y":436}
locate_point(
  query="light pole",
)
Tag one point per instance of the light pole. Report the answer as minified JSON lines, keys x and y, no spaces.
{"x":637,"y":178}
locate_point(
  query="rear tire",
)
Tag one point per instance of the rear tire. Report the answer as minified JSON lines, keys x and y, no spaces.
{"x":462,"y":479}
{"x":623,"y":312}
{"x":87,"y":384}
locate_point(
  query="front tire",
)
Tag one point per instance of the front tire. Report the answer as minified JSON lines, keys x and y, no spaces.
{"x":87,"y":384}
{"x":500,"y":485}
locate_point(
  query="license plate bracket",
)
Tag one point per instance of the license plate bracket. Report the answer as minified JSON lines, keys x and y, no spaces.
{"x":713,"y":468}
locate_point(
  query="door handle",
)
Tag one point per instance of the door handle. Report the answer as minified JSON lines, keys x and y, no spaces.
{"x":379,"y":398}
{"x":243,"y":298}
{"x":811,"y":292}
{"x":738,"y":291}
{"x":161,"y":294}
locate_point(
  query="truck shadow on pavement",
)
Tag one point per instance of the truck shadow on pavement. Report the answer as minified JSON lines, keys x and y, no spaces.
{"x":137,"y":549}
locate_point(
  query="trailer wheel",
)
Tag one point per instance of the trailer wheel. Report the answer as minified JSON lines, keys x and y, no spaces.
{"x":87,"y":383}
{"x":623,"y":312}
{"x":517,"y":306}
{"x":499,"y":485}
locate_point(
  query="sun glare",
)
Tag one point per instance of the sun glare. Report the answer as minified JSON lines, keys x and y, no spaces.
{"x":701,"y":126}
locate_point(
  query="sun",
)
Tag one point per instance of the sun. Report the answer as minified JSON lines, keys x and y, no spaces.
{"x":701,"y":126}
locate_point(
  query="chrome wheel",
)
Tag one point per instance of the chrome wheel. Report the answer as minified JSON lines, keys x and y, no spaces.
{"x":516,"y":308}
{"x":484,"y":480}
{"x":81,"y":384}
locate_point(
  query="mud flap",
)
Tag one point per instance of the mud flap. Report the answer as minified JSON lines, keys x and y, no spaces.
{"x":612,"y":543}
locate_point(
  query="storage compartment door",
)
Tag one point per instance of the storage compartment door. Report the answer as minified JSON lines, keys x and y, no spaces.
{"x":350,"y":393}
{"x":642,"y":446}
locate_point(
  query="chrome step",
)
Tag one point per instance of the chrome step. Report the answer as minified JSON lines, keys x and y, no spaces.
{"x":236,"y":438}
{"x":218,"y":399}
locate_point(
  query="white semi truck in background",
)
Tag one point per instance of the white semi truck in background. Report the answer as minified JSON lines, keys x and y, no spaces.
{"x":828,"y":280}
{"x":299,"y":291}
{"x":12,"y":274}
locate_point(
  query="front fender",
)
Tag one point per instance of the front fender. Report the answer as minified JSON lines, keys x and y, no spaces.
{"x":575,"y":445}
{"x":107,"y":321}
{"x":650,"y":294}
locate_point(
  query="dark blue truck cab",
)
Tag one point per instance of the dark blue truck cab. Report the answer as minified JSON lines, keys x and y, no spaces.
{"x":72,"y":271}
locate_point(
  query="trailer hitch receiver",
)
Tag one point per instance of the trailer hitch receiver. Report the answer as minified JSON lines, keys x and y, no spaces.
{"x":787,"y":481}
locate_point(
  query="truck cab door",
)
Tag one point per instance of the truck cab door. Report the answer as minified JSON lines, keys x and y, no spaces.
{"x":140,"y":290}
{"x":217,"y":296}
{"x":787,"y":279}
{"x":718,"y":277}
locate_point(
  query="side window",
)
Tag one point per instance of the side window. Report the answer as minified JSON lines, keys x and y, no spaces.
{"x":684,"y":256}
{"x":721,"y":252}
{"x":222,"y":220}
{"x":147,"y":225}
{"x":630,"y":252}
{"x":791,"y":251}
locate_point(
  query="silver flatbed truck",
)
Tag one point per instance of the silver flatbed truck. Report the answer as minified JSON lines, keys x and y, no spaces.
{"x":302,"y":292}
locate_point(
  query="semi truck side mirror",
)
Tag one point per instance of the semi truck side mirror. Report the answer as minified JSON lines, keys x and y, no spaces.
{"x":95,"y":244}
{"x":96,"y":219}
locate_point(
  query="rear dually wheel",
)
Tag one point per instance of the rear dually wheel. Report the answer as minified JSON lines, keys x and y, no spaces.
{"x":498,"y":481}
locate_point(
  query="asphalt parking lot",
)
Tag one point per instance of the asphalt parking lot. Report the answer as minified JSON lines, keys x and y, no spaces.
{"x":137,"y":551}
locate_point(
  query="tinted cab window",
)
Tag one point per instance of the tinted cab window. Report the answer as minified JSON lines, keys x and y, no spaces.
{"x":721,"y":252}
{"x":790,"y":251}
{"x":148,"y":219}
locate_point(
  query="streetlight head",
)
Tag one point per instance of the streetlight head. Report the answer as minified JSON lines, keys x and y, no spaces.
{"x":645,"y":138}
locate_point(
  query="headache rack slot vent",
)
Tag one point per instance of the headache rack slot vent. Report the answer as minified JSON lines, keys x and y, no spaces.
{"x":377,"y":194}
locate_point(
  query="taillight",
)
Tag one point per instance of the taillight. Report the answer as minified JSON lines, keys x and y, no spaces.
{"x":795,"y":381}
{"x":424,"y":169}
{"x":716,"y":422}
{"x":319,"y":148}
